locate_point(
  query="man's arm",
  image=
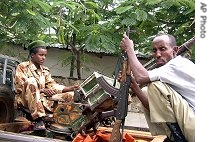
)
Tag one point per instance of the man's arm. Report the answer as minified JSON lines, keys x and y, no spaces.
{"x":138,"y":70}
{"x":136,"y":89}
{"x":70,"y":88}
{"x":139,"y":93}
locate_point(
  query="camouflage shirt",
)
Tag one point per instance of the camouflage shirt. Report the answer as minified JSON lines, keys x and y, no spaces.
{"x":43,"y":77}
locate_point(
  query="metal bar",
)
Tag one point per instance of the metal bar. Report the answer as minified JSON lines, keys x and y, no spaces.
{"x":14,"y":137}
{"x":4,"y":71}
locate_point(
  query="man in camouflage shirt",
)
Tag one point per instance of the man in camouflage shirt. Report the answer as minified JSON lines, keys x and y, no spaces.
{"x":34,"y":84}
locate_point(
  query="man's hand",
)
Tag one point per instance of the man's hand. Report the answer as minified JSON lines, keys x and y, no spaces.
{"x":120,"y":77}
{"x":70,"y":88}
{"x":134,"y":86}
{"x":75,"y":86}
{"x":126,"y":43}
{"x":48,"y":92}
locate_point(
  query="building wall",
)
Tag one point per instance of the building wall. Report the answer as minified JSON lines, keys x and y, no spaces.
{"x":103,"y":64}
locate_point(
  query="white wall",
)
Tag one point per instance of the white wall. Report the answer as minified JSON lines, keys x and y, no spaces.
{"x":105,"y":64}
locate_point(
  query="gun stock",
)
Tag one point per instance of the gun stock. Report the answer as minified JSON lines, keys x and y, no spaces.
{"x":116,"y":135}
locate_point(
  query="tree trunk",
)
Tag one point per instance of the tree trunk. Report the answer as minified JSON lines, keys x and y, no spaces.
{"x":78,"y":65}
{"x":76,"y":56}
{"x":72,"y":66}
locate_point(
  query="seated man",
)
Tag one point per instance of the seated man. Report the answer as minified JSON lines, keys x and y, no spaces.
{"x":169,"y":93}
{"x":33,"y":84}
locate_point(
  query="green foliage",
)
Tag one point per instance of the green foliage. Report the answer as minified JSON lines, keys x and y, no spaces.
{"x":153,"y":2}
{"x":123,"y":9}
{"x":91,"y":5}
{"x":97,"y":26}
{"x":141,"y":15}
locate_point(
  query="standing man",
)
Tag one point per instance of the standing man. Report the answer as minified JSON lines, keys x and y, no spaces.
{"x":33,"y":84}
{"x":169,"y":95}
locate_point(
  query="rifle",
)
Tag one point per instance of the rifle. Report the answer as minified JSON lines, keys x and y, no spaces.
{"x":122,"y":98}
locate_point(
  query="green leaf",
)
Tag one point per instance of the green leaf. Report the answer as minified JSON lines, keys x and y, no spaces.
{"x":92,"y":42}
{"x":123,"y":9}
{"x":128,"y":21}
{"x":31,"y":12}
{"x":91,"y":5}
{"x":107,"y":44}
{"x":141,"y":15}
{"x":74,"y":28}
{"x":61,"y":35}
{"x":97,"y":17}
{"x":45,"y":6}
{"x":69,"y":4}
{"x":153,"y":2}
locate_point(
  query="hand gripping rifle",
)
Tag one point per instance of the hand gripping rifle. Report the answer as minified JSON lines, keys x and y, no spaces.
{"x":122,"y":98}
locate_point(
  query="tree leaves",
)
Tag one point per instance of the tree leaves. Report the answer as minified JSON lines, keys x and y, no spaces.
{"x":66,"y":17}
{"x":123,"y":9}
{"x":153,"y":2}
{"x":31,"y":12}
{"x":44,"y":6}
{"x":141,"y":15}
{"x":96,"y":26}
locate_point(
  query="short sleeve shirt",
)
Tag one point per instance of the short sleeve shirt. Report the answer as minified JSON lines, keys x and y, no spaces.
{"x":179,"y":73}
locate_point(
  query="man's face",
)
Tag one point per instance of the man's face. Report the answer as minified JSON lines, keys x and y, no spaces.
{"x":39,"y":57}
{"x":163,"y":51}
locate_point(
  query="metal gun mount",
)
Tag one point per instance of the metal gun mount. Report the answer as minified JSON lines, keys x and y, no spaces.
{"x":97,"y":92}
{"x":93,"y":105}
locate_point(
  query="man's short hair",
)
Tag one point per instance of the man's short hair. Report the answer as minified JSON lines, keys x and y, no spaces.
{"x":171,"y":38}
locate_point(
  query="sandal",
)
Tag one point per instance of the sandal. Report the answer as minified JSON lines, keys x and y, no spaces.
{"x":39,"y":125}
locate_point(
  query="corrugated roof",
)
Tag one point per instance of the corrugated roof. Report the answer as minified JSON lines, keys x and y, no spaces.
{"x":100,"y":51}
